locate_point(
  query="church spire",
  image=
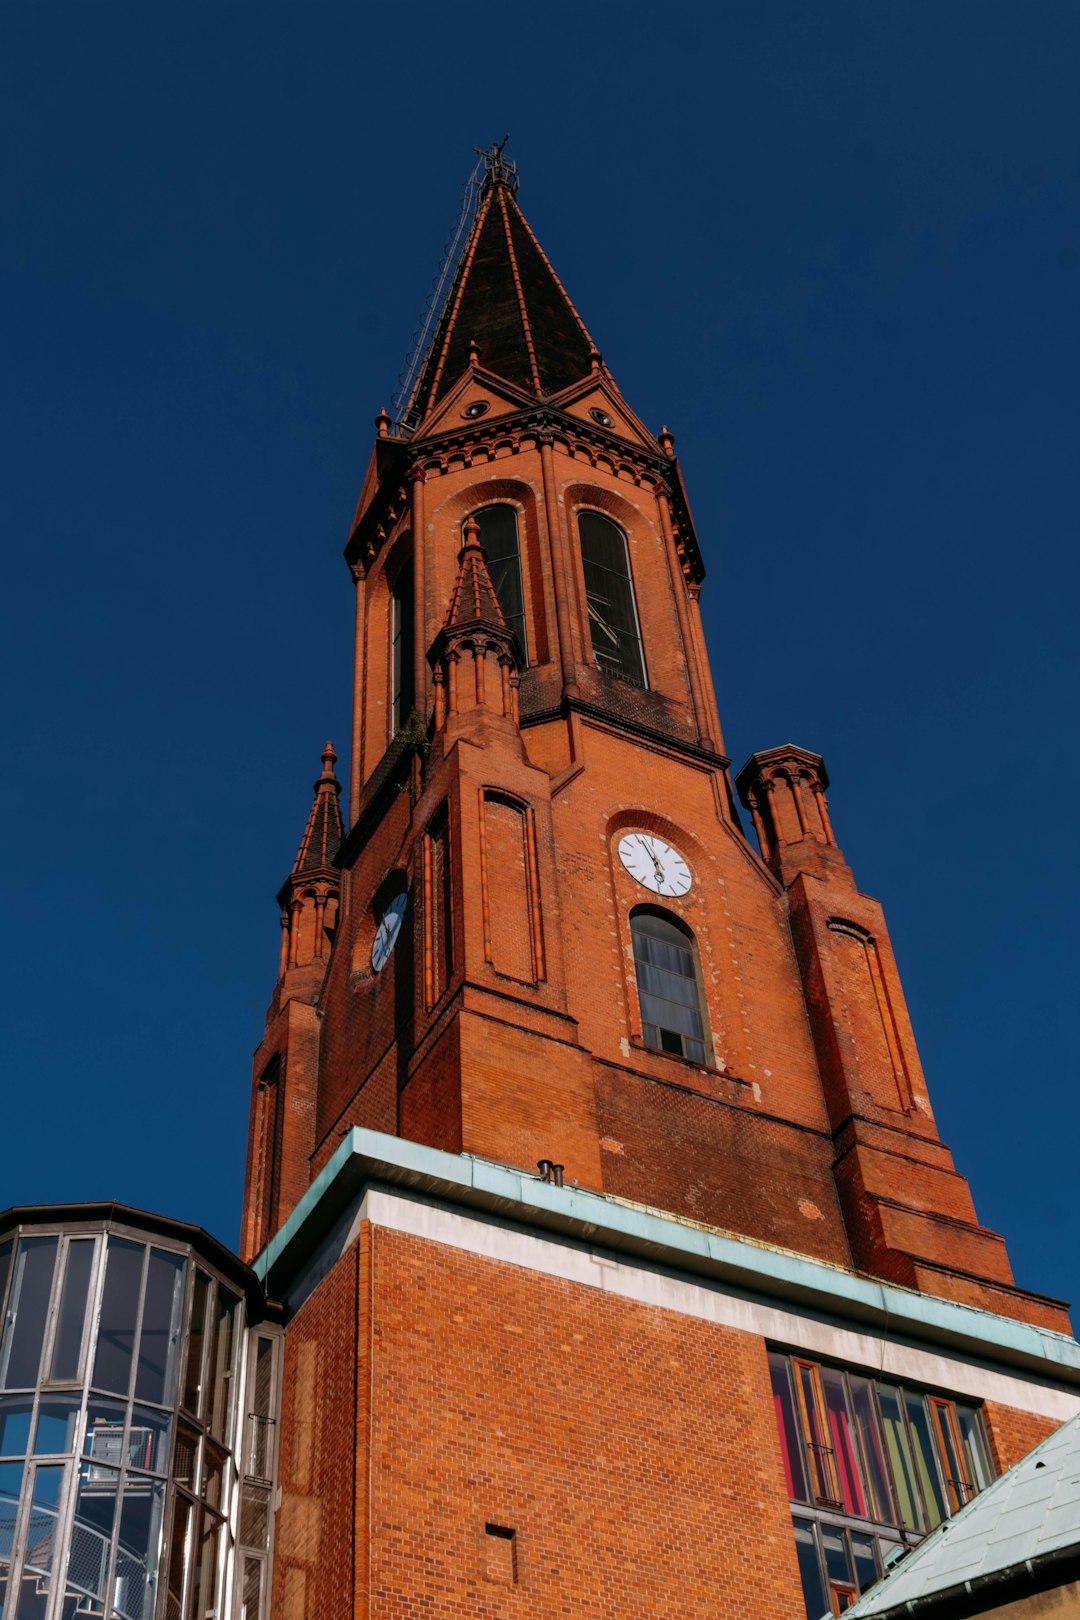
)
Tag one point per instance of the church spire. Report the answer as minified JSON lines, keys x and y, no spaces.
{"x":476,"y":625}
{"x":507,"y":302}
{"x":308,"y":898}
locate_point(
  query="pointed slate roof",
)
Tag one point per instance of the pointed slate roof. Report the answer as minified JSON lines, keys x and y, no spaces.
{"x":508,"y":300}
{"x":1027,"y":1518}
{"x":324,"y":832}
{"x":473,"y":603}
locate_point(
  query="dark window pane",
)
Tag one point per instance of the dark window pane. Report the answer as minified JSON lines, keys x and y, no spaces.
{"x":119,"y":1310}
{"x":668,"y":991}
{"x":193,"y":1372}
{"x":834,"y":1546}
{"x":252,"y":1589}
{"x":71,"y":1320}
{"x":254,"y":1530}
{"x":862,"y":1552}
{"x":57,"y":1426}
{"x":186,"y":1457}
{"x":160,"y":1336}
{"x":403,"y":642}
{"x":222,"y":1350}
{"x":135,"y":1579}
{"x":609,"y":594}
{"x":499,"y":538}
{"x":5,"y":1267}
{"x":790,"y":1443}
{"x":213,"y":1475}
{"x":925,"y":1459}
{"x":261,"y":1442}
{"x":24,"y":1332}
{"x":15,"y":1412}
{"x":810,"y":1569}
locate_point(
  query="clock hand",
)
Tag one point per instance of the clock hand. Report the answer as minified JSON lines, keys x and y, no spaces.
{"x":651,"y":853}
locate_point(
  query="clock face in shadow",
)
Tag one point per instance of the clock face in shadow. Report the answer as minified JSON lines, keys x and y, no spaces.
{"x":387,"y":932}
{"x":657,"y":866}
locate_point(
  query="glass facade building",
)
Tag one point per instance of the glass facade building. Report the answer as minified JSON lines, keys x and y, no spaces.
{"x":139,"y":1370}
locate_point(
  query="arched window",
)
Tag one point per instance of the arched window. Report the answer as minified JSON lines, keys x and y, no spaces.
{"x":669,"y":991}
{"x":402,"y":641}
{"x":498,"y":527}
{"x":609,"y":592}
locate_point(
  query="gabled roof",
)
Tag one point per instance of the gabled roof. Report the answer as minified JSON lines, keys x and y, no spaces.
{"x":507,"y":300}
{"x":1031,"y":1515}
{"x":324,"y":831}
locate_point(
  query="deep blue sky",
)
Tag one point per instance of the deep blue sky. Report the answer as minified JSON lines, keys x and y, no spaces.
{"x":835,"y":245}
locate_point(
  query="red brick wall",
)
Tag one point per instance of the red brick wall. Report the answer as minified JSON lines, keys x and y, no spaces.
{"x":500,"y":1397}
{"x":1013,"y":1433}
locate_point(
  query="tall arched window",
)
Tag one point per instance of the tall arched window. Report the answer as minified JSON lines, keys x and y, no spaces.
{"x":609,"y":592}
{"x":669,"y":991}
{"x":402,"y":640}
{"x":499,"y":537}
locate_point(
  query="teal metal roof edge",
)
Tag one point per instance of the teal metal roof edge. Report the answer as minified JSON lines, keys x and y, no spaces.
{"x":370,"y":1158}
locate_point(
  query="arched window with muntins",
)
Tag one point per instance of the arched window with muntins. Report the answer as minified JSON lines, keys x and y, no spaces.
{"x":498,"y":527}
{"x":609,"y":593}
{"x":669,"y":989}
{"x":402,"y":691}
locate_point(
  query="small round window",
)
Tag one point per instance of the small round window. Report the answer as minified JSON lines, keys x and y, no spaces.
{"x":479,"y":407}
{"x":601,"y":416}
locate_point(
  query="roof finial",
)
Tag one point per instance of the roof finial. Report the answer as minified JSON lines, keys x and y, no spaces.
{"x":474,"y":354}
{"x":666,"y":440}
{"x":471,"y":538}
{"x":498,"y":171}
{"x":382,"y":423}
{"x":329,"y":760}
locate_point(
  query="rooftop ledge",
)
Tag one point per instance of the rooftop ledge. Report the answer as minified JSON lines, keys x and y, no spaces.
{"x":632,"y":1231}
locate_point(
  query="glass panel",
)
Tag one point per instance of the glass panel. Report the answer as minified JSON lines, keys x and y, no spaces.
{"x":119,"y":1309}
{"x":971,"y":1433}
{"x":925,"y":1459}
{"x":254,"y":1528}
{"x":204,"y":1570}
{"x":820,"y":1452}
{"x":813,"y":1585}
{"x":901,"y":1465}
{"x":10,"y":1488}
{"x":104,"y":1442}
{"x":135,"y":1576}
{"x":15,"y":1411}
{"x":950,"y":1454}
{"x":24,"y":1333}
{"x":251,"y":1591}
{"x":862,"y":1552}
{"x":609,"y":594}
{"x":186,"y":1459}
{"x":160,"y":1335}
{"x":193,"y":1372}
{"x":875,"y":1469}
{"x":786,"y":1424}
{"x":834,"y":1545}
{"x":842,"y":1431}
{"x":39,"y":1537}
{"x":179,"y":1540}
{"x":71,"y":1318}
{"x":213,"y":1480}
{"x":261,"y":1444}
{"x":91,"y":1532}
{"x":499,"y":538}
{"x":148,"y":1442}
{"x":222,"y":1348}
{"x":57,"y":1426}
{"x":5,"y":1264}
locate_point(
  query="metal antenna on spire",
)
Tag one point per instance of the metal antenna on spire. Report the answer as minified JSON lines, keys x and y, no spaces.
{"x":408,"y":377}
{"x":493,"y":169}
{"x":497,"y":169}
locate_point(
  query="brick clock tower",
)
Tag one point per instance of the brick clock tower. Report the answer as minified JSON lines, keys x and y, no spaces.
{"x":624,"y":1271}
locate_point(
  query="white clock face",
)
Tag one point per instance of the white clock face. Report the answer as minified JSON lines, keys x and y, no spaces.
{"x":654,"y":864}
{"x":387,"y":932}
